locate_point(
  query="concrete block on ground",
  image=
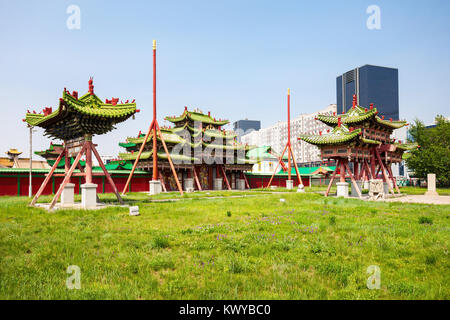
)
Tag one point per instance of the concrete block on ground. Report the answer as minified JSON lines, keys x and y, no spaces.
{"x":88,"y":195}
{"x":155,"y":187}
{"x":218,"y":184}
{"x":189,"y":184}
{"x":342,"y":189}
{"x":289,"y":184}
{"x":240,"y":184}
{"x":67,"y":195}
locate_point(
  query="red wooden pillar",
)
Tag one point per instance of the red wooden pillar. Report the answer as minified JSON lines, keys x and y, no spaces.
{"x":356,"y":169}
{"x":88,"y":171}
{"x":342,"y":170}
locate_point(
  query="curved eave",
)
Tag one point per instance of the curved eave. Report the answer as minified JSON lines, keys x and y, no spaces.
{"x":329,"y":139}
{"x":406,"y":146}
{"x":390,"y":124}
{"x":348,"y":118}
{"x":93,"y":108}
{"x":127,"y":144}
{"x":219,"y":134}
{"x":195,"y":116}
{"x":89,"y":107}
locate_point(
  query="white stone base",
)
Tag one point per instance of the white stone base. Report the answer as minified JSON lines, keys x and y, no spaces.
{"x":155,"y":187}
{"x":342,"y":189}
{"x":289,"y":184}
{"x":240,"y":184}
{"x":218,"y":184}
{"x":354,"y":193}
{"x":189,"y":184}
{"x":301,"y":188}
{"x":431,"y":185}
{"x":67,"y":195}
{"x":88,"y":195}
{"x":366,"y":185}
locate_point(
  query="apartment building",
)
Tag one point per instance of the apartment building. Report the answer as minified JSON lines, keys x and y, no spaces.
{"x":276,"y":135}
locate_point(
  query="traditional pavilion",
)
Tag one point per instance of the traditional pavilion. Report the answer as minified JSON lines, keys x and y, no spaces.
{"x":362,"y":138}
{"x":75,"y":121}
{"x":204,"y":156}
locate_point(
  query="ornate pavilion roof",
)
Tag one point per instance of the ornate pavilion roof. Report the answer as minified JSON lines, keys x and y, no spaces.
{"x":340,"y":134}
{"x":196,"y":116}
{"x":76,"y":117}
{"x":358,"y":115}
{"x":212,"y":137}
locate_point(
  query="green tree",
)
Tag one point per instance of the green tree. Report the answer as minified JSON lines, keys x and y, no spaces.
{"x":433,"y":156}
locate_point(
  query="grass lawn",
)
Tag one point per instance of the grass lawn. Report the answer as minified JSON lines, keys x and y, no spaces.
{"x":307,"y":247}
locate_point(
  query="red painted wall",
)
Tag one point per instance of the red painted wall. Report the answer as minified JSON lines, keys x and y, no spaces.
{"x":262,"y":181}
{"x":10,"y":183}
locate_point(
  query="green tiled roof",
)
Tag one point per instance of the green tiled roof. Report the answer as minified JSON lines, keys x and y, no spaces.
{"x":161,"y":155}
{"x":338,"y":135}
{"x":196,"y":116}
{"x":43,"y":171}
{"x":76,"y":117}
{"x":261,"y":153}
{"x":358,"y":115}
{"x":406,"y":146}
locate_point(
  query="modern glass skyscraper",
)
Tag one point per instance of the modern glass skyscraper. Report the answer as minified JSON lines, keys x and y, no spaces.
{"x":371,"y":84}
{"x":243,"y":127}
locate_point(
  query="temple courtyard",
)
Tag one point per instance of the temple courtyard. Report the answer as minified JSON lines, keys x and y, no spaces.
{"x":261,"y":244}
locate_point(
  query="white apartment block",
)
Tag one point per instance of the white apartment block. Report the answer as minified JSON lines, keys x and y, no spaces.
{"x":276,"y":135}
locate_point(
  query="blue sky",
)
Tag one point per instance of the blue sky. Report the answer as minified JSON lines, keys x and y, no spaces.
{"x":233,"y":58}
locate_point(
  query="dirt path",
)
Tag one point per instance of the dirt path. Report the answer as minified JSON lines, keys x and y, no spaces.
{"x":422,"y":199}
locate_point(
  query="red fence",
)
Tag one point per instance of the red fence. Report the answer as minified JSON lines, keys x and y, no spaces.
{"x":261,"y":181}
{"x":16,"y":184}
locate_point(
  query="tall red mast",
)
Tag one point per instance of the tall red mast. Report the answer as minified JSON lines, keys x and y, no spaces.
{"x":155,"y":156}
{"x":287,"y":148}
{"x":289,"y":132}
{"x":156,"y":131}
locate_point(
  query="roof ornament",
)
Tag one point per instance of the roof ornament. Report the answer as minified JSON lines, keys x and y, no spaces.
{"x":354,"y":101}
{"x":339,"y":122}
{"x":371,"y":106}
{"x":91,"y":86}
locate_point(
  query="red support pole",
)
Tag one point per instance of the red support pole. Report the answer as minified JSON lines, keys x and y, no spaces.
{"x":352,"y":178}
{"x":300,"y":182}
{"x":246,"y":181}
{"x":169,"y":158}
{"x":67,"y":178}
{"x":125,"y":188}
{"x":225,"y":177}
{"x":89,"y":159}
{"x":108,"y":176}
{"x":48,"y":177}
{"x":383,"y":170}
{"x":276,"y":168}
{"x":332,"y":178}
{"x":199,"y":186}
{"x":342,"y":170}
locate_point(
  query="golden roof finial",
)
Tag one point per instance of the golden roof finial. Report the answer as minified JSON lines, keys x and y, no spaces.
{"x":154,"y":44}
